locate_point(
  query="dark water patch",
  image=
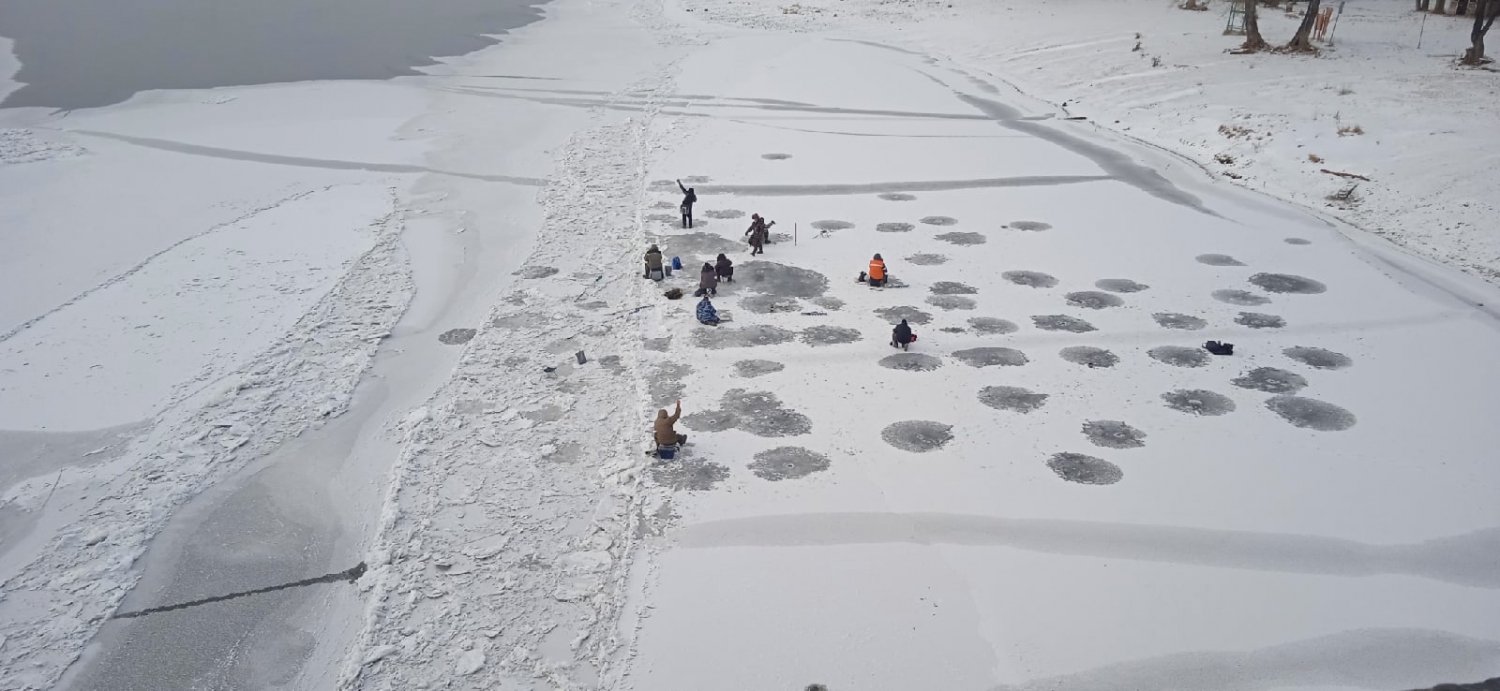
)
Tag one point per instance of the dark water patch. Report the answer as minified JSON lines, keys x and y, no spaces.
{"x":1030,"y":226}
{"x":917,"y":436}
{"x":1012,"y":398}
{"x":965,"y":239}
{"x":1173,"y":320}
{"x":938,"y":220}
{"x":1062,"y":322}
{"x":683,"y":473}
{"x":1113,"y":434}
{"x":953,"y":288}
{"x":829,"y":335}
{"x":1271,"y":380}
{"x":788,"y":463}
{"x":1031,"y":279}
{"x":456,"y":336}
{"x":1287,"y":283}
{"x":828,"y":302}
{"x":769,"y":304}
{"x":1243,"y":298}
{"x":927,"y":259}
{"x":612,"y":364}
{"x":1297,"y":241}
{"x":1318,"y":358}
{"x":771,"y":278}
{"x":536,"y":272}
{"x":832,"y":225}
{"x":721,"y":337}
{"x":1094,"y":300}
{"x":710,"y":421}
{"x":1256,"y":320}
{"x":991,"y":326}
{"x":756,"y":368}
{"x":1089,"y":356}
{"x":1311,"y":413}
{"x":1084,"y":470}
{"x":1219,"y":260}
{"x":951,"y":302}
{"x":776,"y":157}
{"x":1199,"y":402}
{"x":991,"y":357}
{"x":953,"y":330}
{"x":912,"y":315}
{"x":722,"y":213}
{"x":896,"y":196}
{"x":665,"y":383}
{"x":779,"y":237}
{"x":911,"y":362}
{"x":1120,"y":285}
{"x":1179,"y":356}
{"x":659,"y":345}
{"x":894,"y":227}
{"x":664,"y":218}
{"x":761,"y":413}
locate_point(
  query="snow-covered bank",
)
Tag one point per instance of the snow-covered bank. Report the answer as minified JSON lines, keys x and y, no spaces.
{"x":1161,"y":74}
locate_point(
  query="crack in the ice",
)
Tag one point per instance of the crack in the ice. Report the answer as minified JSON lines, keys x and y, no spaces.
{"x":351,"y":575}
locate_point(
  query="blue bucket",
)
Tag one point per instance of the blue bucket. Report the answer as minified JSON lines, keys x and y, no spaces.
{"x":676,"y":263}
{"x":666,"y":453}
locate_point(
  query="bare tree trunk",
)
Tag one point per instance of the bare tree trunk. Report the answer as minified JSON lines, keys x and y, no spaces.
{"x":1253,"y":40}
{"x":1441,"y":8}
{"x":1484,"y":18}
{"x":1463,"y":8}
{"x":1303,"y":40}
{"x":1424,"y":5}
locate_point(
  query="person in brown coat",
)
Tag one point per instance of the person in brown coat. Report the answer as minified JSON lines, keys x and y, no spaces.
{"x":665,"y":434}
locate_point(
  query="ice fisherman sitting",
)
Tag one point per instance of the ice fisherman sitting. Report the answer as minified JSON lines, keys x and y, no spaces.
{"x":706,"y":312}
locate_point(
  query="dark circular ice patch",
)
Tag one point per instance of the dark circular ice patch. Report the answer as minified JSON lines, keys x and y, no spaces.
{"x":1311,"y":413}
{"x":1089,"y":356}
{"x":1084,"y":470}
{"x":953,"y":288}
{"x":1032,"y":279}
{"x":1033,"y":226}
{"x":1012,"y":398}
{"x":829,"y":335}
{"x":1297,"y":241}
{"x":1120,"y":285}
{"x":788,"y":463}
{"x":456,"y":336}
{"x":992,"y":326}
{"x":1199,"y":402}
{"x":698,"y":243}
{"x":1113,"y":434}
{"x":1094,"y":300}
{"x":1318,"y":358}
{"x":1287,"y":283}
{"x":747,"y":337}
{"x":1173,"y":320}
{"x":665,"y":383}
{"x":1179,"y":356}
{"x":962,"y":238}
{"x":911,"y":362}
{"x":685,"y":474}
{"x":1256,"y":320}
{"x":991,"y":356}
{"x":1062,"y":322}
{"x":894,"y":227}
{"x":662,"y":185}
{"x":828,"y":303}
{"x":776,"y":157}
{"x":1271,"y":380}
{"x":1244,"y":298}
{"x":896,"y":196}
{"x":779,"y":279}
{"x":953,"y":329}
{"x":536,"y":272}
{"x":939,"y":220}
{"x":927,"y":259}
{"x":951,"y":302}
{"x":917,"y":436}
{"x":664,"y":218}
{"x":911,"y":314}
{"x":1219,"y":260}
{"x":832,"y":225}
{"x":722,"y":213}
{"x":769,"y":304}
{"x":710,"y":421}
{"x":755,"y":368}
{"x":760,"y":413}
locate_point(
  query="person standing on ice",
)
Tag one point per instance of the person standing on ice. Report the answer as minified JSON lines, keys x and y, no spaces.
{"x":689,"y":198}
{"x":706,"y":312}
{"x":725,"y":269}
{"x":877,"y":273}
{"x":708,"y":280}
{"x":666,"y":435}
{"x":759,"y":231}
{"x":653,"y":263}
{"x":901,"y":336}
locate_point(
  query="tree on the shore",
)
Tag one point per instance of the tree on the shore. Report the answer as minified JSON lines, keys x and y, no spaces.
{"x":1302,"y":41}
{"x":1253,"y":40}
{"x":1463,"y":8}
{"x":1484,"y":17}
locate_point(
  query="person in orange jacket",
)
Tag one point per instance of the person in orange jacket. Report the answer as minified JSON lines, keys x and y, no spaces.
{"x":877,"y":272}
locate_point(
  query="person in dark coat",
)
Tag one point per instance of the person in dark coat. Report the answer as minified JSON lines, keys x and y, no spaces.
{"x":706,"y":312}
{"x":708,"y":281}
{"x":653,"y":260}
{"x":689,"y":198}
{"x":901,"y":336}
{"x":725,"y":269}
{"x":759,"y":232}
